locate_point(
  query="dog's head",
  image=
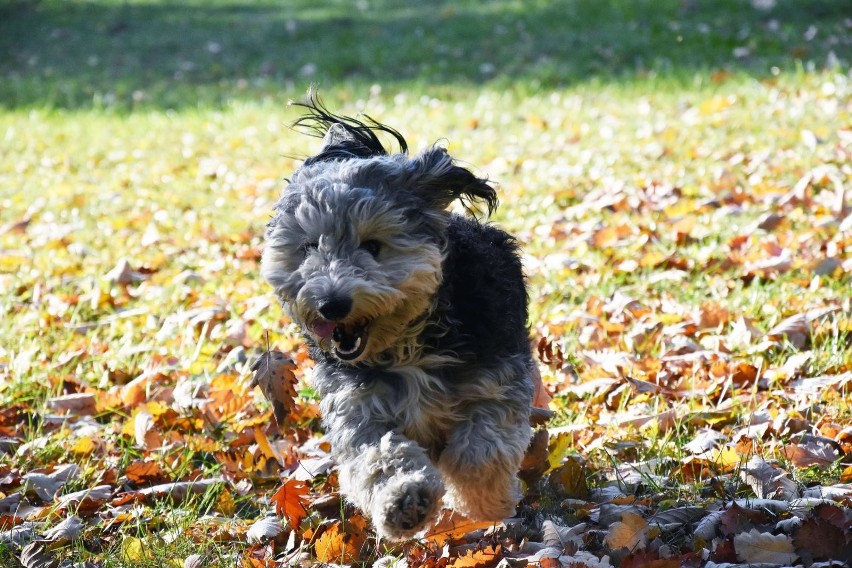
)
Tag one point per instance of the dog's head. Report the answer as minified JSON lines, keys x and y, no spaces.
{"x":355,"y":246}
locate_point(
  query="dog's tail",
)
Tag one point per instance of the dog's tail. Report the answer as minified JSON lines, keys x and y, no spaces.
{"x":343,"y":137}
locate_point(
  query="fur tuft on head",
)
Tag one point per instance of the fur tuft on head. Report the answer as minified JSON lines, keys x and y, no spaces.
{"x":343,"y":137}
{"x":434,"y":176}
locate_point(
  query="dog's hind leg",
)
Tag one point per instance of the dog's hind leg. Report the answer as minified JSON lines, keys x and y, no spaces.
{"x":395,"y":483}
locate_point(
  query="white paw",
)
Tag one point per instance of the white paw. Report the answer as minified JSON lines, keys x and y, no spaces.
{"x":407,"y":505}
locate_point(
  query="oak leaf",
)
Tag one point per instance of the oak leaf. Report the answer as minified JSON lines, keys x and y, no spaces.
{"x":273,"y":373}
{"x":484,"y":558}
{"x":755,"y":546}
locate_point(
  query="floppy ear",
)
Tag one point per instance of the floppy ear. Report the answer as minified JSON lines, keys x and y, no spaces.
{"x":439,"y":181}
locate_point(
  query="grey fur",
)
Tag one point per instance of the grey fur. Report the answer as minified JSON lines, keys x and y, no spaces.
{"x":412,"y":426}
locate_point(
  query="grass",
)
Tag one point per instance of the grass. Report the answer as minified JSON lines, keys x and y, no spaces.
{"x":637,"y":146}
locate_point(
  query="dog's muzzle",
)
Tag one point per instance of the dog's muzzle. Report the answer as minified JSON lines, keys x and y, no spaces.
{"x":348,"y":340}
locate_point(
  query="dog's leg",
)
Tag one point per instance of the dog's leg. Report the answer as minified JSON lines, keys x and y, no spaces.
{"x":394,"y":482}
{"x":484,"y":452}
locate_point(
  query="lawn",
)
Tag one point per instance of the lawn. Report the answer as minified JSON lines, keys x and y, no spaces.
{"x":678,"y":172}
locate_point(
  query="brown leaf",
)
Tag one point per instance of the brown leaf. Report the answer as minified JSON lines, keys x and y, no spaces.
{"x":569,"y":479}
{"x":631,"y":532}
{"x":737,"y":519}
{"x":795,"y":329}
{"x":819,"y":539}
{"x":36,"y":555}
{"x":768,"y":482}
{"x":81,"y":403}
{"x":142,"y":472}
{"x":452,"y":526}
{"x":273,"y":373}
{"x":482,"y":558}
{"x":811,"y":452}
{"x":648,"y":559}
{"x":290,"y":501}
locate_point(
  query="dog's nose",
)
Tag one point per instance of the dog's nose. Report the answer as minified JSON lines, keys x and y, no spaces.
{"x":336,"y":308}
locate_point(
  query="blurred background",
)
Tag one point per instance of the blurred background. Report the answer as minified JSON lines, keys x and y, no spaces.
{"x":125,"y":55}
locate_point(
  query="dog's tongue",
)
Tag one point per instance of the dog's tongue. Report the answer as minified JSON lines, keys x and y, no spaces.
{"x":323,"y":329}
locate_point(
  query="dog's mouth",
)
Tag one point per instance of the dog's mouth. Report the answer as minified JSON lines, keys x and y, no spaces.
{"x":348,"y":340}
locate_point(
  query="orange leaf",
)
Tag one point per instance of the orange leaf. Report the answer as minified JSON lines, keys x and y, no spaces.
{"x":451,"y":526}
{"x":485,"y":558}
{"x":341,"y":543}
{"x":290,"y":501}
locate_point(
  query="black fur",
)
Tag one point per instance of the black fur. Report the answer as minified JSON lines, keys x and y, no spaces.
{"x":351,"y":138}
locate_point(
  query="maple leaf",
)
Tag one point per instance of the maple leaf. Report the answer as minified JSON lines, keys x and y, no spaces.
{"x":481,"y":558}
{"x":290,"y":501}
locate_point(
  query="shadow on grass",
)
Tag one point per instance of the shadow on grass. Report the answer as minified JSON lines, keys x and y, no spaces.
{"x":126,"y":54}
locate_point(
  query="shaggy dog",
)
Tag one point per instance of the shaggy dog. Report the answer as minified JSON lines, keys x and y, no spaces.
{"x":416,"y":318}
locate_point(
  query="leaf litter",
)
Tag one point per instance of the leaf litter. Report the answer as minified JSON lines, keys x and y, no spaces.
{"x":690,"y":314}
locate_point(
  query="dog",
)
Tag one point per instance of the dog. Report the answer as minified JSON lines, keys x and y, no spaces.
{"x":416,"y":318}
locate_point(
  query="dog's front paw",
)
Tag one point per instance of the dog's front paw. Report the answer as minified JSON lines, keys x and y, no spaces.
{"x":407,"y":505}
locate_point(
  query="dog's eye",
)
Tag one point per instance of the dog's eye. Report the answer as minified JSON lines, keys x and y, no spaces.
{"x":373,"y":247}
{"x":308,"y":247}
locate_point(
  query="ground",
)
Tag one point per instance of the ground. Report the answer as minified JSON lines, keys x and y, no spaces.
{"x":679,"y":175}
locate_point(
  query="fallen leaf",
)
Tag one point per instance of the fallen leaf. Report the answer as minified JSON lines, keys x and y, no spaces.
{"x":290,"y":501}
{"x":264,"y":529}
{"x":65,"y":532}
{"x":342,"y":543}
{"x":273,"y":373}
{"x":755,"y":547}
{"x":631,"y":532}
{"x":479,"y":558}
{"x":452,"y":526}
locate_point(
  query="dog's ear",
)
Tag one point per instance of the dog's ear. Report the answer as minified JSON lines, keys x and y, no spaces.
{"x":439,"y":181}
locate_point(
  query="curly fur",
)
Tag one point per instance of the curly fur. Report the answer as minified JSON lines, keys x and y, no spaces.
{"x":416,"y":318}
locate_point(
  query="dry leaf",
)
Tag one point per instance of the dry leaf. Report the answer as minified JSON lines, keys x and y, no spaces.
{"x":480,"y":558}
{"x":343,"y":542}
{"x":290,"y":501}
{"x":768,"y":482}
{"x":64,"y":532}
{"x":273,"y":373}
{"x":265,"y":529}
{"x":631,"y":532}
{"x":36,"y":555}
{"x":755,"y":547}
{"x":452,"y":526}
{"x":142,"y":472}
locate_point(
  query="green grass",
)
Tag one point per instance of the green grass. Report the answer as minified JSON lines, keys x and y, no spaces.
{"x":158,"y":133}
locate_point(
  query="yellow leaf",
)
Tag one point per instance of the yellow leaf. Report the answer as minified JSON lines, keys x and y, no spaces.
{"x":84,"y":446}
{"x":133,"y":549}
{"x":225,"y":503}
